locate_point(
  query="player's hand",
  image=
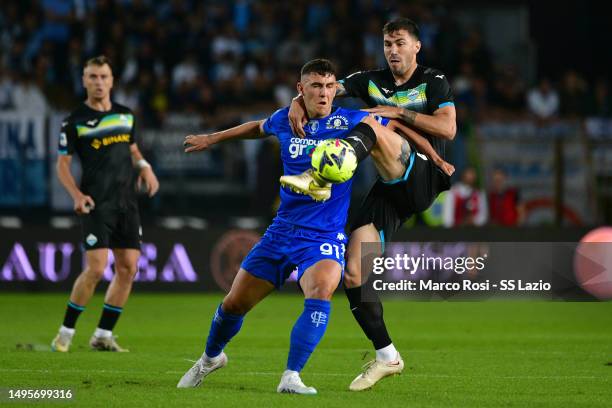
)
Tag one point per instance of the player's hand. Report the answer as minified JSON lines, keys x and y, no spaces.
{"x":83,"y":204}
{"x":446,"y":167}
{"x":196,"y":143}
{"x":297,"y":118}
{"x":148,"y":179}
{"x":390,"y":112}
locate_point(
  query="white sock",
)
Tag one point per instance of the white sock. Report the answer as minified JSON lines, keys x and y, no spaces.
{"x":387,"y":354}
{"x":66,"y":331}
{"x":103,"y":333}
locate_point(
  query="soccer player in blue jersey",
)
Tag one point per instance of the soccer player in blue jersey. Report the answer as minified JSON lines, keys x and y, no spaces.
{"x":305,"y":234}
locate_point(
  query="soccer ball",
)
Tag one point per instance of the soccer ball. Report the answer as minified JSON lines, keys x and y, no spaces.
{"x":334,"y":160}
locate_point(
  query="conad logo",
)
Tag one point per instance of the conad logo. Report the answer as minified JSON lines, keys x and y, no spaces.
{"x":227,"y":255}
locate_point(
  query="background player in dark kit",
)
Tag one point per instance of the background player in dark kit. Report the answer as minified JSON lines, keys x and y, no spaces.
{"x":102,"y":134}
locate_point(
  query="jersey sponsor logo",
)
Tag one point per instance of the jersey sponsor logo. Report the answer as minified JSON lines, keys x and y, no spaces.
{"x":91,"y":240}
{"x":337,"y":122}
{"x":63,"y":140}
{"x":318,"y":318}
{"x":109,"y":140}
{"x":313,"y":126}
{"x":299,"y":146}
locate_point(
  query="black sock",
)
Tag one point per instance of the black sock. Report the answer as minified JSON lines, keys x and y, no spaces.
{"x":369,"y":315}
{"x":73,"y":311}
{"x":110,"y":315}
{"x":363,"y":139}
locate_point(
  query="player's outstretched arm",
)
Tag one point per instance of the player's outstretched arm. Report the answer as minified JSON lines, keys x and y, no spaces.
{"x":422,"y":145}
{"x":249,"y":130}
{"x":147,"y":176}
{"x":442,"y":124}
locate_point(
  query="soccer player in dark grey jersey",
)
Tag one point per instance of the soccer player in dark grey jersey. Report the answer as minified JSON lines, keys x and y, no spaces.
{"x":420,"y":97}
{"x":102,"y":134}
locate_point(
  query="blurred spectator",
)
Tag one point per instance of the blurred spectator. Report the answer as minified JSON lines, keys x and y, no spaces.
{"x":573,"y":95}
{"x":505,"y":208}
{"x":509,"y":92}
{"x":600,"y":102}
{"x":465,"y":204}
{"x":27,"y":96}
{"x":185,"y":72}
{"x":7,"y":88}
{"x":543,"y":101}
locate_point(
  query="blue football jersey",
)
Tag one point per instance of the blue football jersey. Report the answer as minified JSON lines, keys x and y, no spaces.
{"x":301,"y":210}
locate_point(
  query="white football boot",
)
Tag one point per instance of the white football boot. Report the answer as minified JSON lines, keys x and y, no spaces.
{"x":291,"y":383}
{"x":375,"y":371}
{"x":201,"y":368}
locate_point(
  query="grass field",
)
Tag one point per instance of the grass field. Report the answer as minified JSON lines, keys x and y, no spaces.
{"x":457,"y":354}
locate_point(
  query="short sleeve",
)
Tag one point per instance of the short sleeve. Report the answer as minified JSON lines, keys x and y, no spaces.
{"x":439,"y":93}
{"x":356,"y":85}
{"x":133,"y":128}
{"x":272,"y":124}
{"x":67,"y":138}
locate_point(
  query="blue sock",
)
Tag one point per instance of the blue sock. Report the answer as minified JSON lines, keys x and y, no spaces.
{"x":307,"y":332}
{"x":223,"y":327}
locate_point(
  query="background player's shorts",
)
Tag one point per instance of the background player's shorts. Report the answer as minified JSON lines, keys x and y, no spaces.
{"x":111,"y":229}
{"x":389,"y":204}
{"x":285,"y":247}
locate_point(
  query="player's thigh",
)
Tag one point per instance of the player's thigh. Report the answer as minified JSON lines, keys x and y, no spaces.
{"x":247,"y":290}
{"x":364,"y":244}
{"x":391,"y":154}
{"x":320,"y":280}
{"x":126,"y":260}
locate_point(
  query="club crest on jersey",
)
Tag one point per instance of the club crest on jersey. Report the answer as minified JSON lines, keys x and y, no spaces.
{"x":96,"y":143}
{"x":337,"y":122}
{"x":313,"y":126}
{"x":91,"y":240}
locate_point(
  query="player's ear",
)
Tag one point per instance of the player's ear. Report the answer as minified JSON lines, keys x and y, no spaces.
{"x":417,"y":46}
{"x":300,"y":88}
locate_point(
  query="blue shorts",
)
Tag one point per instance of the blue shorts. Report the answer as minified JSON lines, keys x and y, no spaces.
{"x":285,"y":247}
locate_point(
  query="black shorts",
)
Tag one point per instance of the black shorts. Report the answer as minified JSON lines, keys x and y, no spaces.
{"x":111,"y":229}
{"x":389,"y":204}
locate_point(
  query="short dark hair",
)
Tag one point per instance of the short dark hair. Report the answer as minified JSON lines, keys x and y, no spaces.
{"x":99,"y":61}
{"x":402,"y":23}
{"x":319,"y":66}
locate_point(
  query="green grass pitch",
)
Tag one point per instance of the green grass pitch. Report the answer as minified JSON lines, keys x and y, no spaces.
{"x":457,"y":354}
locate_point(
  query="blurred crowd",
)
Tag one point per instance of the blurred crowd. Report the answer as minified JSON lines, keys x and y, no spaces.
{"x":216,"y":57}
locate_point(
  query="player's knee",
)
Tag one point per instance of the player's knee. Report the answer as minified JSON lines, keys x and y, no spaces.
{"x":321,"y":290}
{"x":126,"y":272}
{"x":234,"y":305}
{"x":94,"y":273}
